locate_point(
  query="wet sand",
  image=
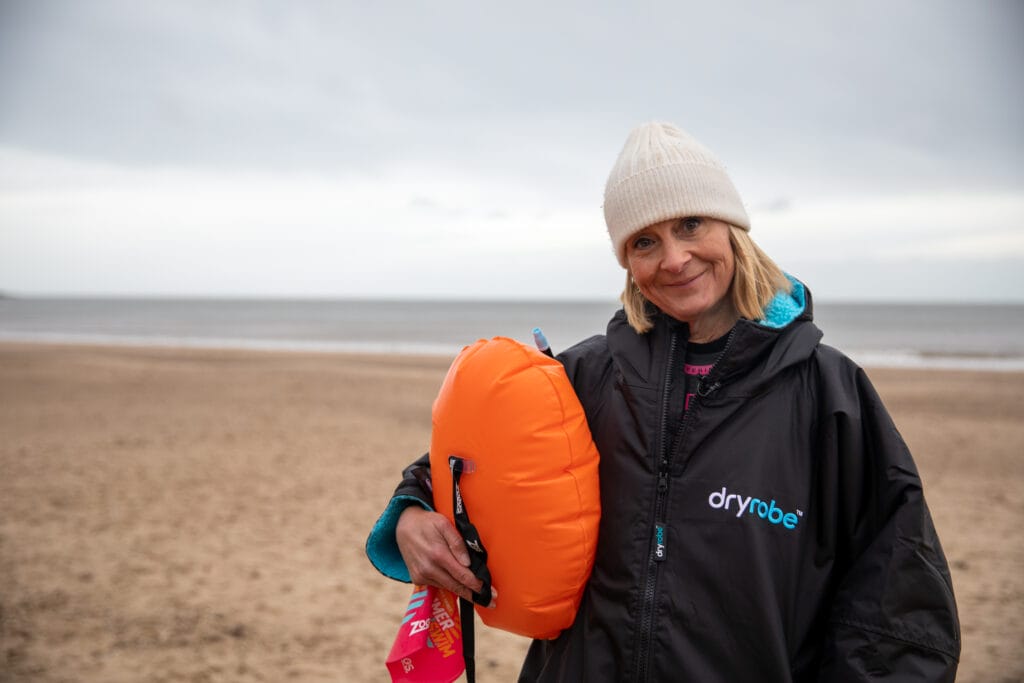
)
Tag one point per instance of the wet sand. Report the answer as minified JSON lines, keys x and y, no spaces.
{"x":194,"y":515}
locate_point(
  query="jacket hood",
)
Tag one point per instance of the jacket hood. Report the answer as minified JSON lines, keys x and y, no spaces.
{"x":760,"y":349}
{"x":785,"y":336}
{"x":785,"y":307}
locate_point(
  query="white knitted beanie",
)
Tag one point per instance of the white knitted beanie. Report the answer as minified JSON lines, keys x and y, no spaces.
{"x":663,"y":173}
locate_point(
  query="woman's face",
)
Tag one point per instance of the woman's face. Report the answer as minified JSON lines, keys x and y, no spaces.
{"x":685,"y":266}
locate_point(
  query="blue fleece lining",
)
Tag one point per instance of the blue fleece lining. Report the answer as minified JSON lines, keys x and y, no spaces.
{"x":381,"y":546}
{"x":785,"y":308}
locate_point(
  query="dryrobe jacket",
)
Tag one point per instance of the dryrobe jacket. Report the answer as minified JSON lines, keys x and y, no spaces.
{"x":779,"y":534}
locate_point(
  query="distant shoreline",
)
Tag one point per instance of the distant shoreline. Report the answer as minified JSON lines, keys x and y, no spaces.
{"x":894,"y":359}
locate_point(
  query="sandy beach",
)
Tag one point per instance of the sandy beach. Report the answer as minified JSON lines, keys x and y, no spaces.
{"x":199,"y":515}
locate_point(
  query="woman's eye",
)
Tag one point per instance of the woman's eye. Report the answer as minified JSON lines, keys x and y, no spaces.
{"x":642,"y":242}
{"x":690,"y":224}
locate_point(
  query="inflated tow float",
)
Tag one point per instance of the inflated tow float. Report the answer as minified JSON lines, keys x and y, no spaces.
{"x":509,"y":425}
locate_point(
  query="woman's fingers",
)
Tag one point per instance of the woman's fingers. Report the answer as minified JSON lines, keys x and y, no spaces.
{"x":455,"y":543}
{"x":445,"y":565}
{"x":434,"y":552}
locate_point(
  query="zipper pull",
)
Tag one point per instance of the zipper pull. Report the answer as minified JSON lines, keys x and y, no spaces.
{"x":660,"y":545}
{"x":659,"y":528}
{"x":704,"y":391}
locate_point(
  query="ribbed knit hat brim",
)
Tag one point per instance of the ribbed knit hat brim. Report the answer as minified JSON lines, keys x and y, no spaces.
{"x":664,"y":173}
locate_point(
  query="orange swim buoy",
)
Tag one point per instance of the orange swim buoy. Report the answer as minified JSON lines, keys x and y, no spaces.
{"x":533,"y":495}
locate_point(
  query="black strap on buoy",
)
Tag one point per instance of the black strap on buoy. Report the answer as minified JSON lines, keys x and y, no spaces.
{"x":477,"y":564}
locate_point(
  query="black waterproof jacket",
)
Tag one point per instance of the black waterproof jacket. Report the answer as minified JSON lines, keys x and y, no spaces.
{"x":777,"y":533}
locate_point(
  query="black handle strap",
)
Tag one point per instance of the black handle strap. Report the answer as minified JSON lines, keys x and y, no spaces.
{"x":477,"y":565}
{"x":467,"y":615}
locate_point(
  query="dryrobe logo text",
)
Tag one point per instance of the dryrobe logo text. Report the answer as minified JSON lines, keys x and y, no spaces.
{"x":767,"y":510}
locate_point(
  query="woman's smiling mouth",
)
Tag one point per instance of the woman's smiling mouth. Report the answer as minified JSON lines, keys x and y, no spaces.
{"x":686,"y":282}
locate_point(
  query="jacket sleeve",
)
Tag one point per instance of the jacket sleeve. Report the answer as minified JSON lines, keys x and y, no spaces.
{"x":381,"y":546}
{"x":893,"y":615}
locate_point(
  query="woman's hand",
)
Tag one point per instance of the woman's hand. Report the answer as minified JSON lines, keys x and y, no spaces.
{"x":435,"y":553}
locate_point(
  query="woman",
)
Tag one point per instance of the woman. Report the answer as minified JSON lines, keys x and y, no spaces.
{"x":762,"y":519}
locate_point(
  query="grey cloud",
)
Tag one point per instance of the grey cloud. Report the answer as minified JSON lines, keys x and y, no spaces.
{"x":866,"y":96}
{"x":420,"y":203}
{"x":777,"y":205}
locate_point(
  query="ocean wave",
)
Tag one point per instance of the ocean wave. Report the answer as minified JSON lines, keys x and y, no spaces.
{"x":227,"y":343}
{"x":934,"y":360}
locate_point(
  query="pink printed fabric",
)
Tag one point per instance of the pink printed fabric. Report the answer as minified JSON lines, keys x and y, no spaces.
{"x":428,"y":647}
{"x":698,"y":369}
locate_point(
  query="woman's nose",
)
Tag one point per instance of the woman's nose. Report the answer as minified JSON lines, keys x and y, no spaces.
{"x":676,"y":256}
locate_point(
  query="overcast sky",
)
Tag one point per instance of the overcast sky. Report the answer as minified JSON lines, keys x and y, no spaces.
{"x":460,"y":149}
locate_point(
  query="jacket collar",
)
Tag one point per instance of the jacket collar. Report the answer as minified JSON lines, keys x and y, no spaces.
{"x":759,"y":348}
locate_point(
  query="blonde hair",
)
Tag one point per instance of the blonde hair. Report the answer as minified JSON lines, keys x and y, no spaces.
{"x":755,"y":282}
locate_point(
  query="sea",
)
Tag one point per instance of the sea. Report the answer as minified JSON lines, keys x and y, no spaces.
{"x":921,"y":335}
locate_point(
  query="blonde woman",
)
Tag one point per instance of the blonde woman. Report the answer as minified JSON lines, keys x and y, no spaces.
{"x":762,"y":519}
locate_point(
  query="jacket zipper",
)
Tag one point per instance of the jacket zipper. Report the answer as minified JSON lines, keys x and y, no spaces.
{"x":658,"y":551}
{"x":646,"y":625}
